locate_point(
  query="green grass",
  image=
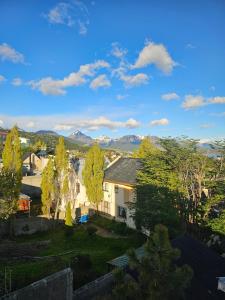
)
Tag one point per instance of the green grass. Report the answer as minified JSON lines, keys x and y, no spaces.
{"x":100,"y":250}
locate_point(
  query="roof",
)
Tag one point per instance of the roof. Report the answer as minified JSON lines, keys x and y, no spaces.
{"x":124,"y":170}
{"x":122,"y":261}
{"x":206,"y":264}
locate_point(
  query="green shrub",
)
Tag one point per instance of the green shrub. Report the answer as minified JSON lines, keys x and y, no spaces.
{"x":91,"y":230}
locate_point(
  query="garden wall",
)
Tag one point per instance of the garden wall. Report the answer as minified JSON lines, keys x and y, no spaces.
{"x":56,"y":286}
{"x":28,"y":226}
{"x":100,"y":286}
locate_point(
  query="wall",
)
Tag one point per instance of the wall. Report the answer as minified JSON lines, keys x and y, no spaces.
{"x":98,"y":287}
{"x":119,"y":199}
{"x":31,"y":185}
{"x":27,"y":226}
{"x":56,"y":286}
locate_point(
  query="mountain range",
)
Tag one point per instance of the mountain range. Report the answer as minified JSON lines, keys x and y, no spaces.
{"x":124,"y":143}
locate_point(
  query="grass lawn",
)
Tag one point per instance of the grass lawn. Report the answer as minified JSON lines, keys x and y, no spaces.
{"x":98,"y":248}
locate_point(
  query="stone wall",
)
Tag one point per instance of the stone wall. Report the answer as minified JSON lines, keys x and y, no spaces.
{"x":98,"y":287}
{"x":56,"y":286}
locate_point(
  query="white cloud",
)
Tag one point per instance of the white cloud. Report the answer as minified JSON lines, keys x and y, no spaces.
{"x":191,"y":102}
{"x":100,"y":81}
{"x":155,"y":54}
{"x":117,"y":51}
{"x":217,"y":100}
{"x":1,"y":122}
{"x":17,"y":81}
{"x":9,"y":53}
{"x":66,"y":122}
{"x":170,"y":96}
{"x":206,"y":125}
{"x":121,"y":97}
{"x":96,"y":124}
{"x":2,"y":79}
{"x":190,"y":46}
{"x":70,"y":14}
{"x":50,"y":86}
{"x":160,"y":122}
{"x":134,"y":80}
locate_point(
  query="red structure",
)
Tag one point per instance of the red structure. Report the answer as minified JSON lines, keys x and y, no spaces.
{"x":24,"y":203}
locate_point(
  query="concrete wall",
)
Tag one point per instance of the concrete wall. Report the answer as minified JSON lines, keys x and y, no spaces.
{"x":27,"y":226}
{"x":31,"y":185}
{"x":98,"y":287}
{"x":56,"y":286}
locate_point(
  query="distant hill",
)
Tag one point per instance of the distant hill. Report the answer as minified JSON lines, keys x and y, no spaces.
{"x":49,"y":132}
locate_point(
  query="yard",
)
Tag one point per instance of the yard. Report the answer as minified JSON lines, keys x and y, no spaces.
{"x":85,"y":253}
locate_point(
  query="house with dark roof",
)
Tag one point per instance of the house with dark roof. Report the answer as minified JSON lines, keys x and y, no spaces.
{"x":119,"y":189}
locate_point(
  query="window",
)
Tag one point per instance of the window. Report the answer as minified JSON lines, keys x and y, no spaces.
{"x":126,"y":195}
{"x":77,"y":188}
{"x":106,"y":187}
{"x":106,"y":207}
{"x":122,"y":212}
{"x":116,"y":189}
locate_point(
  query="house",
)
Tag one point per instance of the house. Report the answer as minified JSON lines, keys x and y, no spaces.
{"x":3,"y":135}
{"x":32,"y":162}
{"x":24,"y":141}
{"x":119,"y":189}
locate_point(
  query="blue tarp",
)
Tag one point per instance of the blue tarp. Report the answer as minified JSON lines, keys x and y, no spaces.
{"x":83,"y":219}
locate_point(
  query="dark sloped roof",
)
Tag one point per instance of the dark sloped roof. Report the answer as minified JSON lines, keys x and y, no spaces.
{"x":207,"y":266}
{"x":124,"y":170}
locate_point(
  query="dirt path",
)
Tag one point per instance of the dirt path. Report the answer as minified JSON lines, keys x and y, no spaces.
{"x":106,"y":234}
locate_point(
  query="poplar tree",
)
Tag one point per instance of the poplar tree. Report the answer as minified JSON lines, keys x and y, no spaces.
{"x":61,"y":164}
{"x":68,"y":221}
{"x":11,"y":175}
{"x":48,"y":187}
{"x":93,"y":175}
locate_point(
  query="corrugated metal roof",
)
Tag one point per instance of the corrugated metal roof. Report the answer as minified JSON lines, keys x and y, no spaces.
{"x":122,"y":261}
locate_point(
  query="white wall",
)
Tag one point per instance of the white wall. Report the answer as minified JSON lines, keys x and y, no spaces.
{"x":125,"y":193}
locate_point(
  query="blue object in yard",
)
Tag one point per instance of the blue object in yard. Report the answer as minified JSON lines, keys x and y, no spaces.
{"x":83,"y":219}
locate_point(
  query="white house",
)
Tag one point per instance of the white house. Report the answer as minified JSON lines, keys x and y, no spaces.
{"x":118,"y":186}
{"x":119,"y":189}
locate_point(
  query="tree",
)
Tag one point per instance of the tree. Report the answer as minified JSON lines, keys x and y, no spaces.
{"x":93,"y":175}
{"x":48,"y":187}
{"x":157,"y":193}
{"x":68,"y":221}
{"x":146,"y":148}
{"x":11,"y":175}
{"x":61,"y":164}
{"x":157,"y":277}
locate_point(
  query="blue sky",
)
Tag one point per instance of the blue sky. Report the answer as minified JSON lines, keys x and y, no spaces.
{"x":114,"y":67}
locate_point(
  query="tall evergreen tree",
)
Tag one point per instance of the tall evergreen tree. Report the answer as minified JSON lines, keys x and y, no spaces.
{"x":11,"y":175}
{"x":93,"y":174}
{"x":61,"y":164}
{"x":48,"y":187}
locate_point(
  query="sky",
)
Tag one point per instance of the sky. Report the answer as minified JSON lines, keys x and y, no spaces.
{"x":114,"y":67}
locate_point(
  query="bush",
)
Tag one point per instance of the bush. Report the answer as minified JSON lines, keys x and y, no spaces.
{"x":82,"y":270}
{"x":68,"y":230}
{"x":91,"y":230}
